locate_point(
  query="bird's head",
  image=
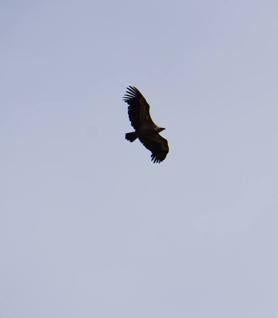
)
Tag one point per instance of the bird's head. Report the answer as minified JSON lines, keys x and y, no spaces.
{"x":159,"y":129}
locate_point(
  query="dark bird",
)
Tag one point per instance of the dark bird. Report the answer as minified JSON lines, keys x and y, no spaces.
{"x":145,"y":129}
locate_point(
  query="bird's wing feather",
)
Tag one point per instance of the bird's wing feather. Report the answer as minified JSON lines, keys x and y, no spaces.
{"x":138,"y":109}
{"x":157,"y":145}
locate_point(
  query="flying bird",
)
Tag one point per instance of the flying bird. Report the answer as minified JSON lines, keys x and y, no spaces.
{"x":145,"y":129}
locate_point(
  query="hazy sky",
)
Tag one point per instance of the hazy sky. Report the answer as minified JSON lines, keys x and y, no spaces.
{"x":89,"y":226}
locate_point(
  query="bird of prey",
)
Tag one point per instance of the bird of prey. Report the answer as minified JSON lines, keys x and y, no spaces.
{"x":145,"y":129}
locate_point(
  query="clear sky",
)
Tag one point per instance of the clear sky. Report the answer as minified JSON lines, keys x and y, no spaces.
{"x":89,"y":227}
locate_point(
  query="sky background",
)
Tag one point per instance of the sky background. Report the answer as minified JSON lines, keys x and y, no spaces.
{"x":89,"y":226}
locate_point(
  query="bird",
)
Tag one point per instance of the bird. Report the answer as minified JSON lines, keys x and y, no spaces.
{"x":145,"y":129}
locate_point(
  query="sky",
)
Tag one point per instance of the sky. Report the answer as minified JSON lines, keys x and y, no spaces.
{"x":89,"y":226}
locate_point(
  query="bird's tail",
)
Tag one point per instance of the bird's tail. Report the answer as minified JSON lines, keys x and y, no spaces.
{"x":131,"y":136}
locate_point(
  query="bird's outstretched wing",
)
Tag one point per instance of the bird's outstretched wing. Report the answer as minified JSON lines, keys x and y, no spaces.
{"x":157,"y":145}
{"x":138,"y":109}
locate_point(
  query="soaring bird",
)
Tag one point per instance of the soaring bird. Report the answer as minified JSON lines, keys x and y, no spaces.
{"x":145,"y":129}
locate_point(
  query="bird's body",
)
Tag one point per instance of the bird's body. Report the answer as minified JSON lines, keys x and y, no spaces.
{"x":145,"y":129}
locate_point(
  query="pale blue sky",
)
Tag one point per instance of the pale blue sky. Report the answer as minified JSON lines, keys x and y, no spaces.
{"x":89,"y":227}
